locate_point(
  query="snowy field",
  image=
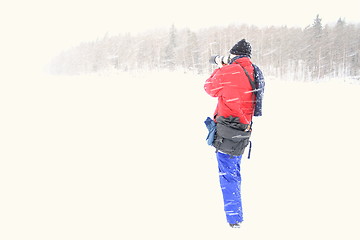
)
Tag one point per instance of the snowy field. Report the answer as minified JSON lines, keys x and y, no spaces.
{"x":123,"y":156}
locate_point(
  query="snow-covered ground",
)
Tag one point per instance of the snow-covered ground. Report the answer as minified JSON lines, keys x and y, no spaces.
{"x":123,"y":156}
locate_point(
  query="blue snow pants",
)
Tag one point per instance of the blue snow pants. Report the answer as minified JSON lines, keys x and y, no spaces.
{"x":230,"y":180}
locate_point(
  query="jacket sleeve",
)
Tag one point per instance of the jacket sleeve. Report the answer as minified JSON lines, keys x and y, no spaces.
{"x":212,"y":85}
{"x":260,"y":87}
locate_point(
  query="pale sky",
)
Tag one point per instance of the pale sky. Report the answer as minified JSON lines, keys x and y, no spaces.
{"x":39,"y":29}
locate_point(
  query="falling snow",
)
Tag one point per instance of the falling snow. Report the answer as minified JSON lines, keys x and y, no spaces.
{"x":124,"y":156}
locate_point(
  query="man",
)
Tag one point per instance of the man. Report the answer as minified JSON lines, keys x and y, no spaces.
{"x":239,"y":87}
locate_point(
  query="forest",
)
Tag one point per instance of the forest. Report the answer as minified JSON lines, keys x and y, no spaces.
{"x":291,"y":53}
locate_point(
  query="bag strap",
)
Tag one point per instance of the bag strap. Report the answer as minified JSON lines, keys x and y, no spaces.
{"x":253,"y":86}
{"x":250,"y":146}
{"x":252,"y":82}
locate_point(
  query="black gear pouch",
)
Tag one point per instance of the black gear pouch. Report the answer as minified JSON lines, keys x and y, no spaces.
{"x":230,"y":140}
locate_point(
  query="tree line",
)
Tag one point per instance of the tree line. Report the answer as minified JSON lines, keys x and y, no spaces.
{"x":309,"y":53}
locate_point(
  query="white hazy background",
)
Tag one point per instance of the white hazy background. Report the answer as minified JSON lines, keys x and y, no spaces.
{"x":34,"y":31}
{"x":71,"y":166}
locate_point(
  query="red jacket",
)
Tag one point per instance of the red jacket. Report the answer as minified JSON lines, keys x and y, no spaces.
{"x":234,"y":92}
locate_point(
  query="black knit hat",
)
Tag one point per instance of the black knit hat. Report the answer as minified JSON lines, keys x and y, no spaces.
{"x":241,"y":48}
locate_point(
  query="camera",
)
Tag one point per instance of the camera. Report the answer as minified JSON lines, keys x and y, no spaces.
{"x":219,"y":60}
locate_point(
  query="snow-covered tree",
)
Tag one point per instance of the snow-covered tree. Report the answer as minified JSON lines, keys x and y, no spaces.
{"x":314,"y":52}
